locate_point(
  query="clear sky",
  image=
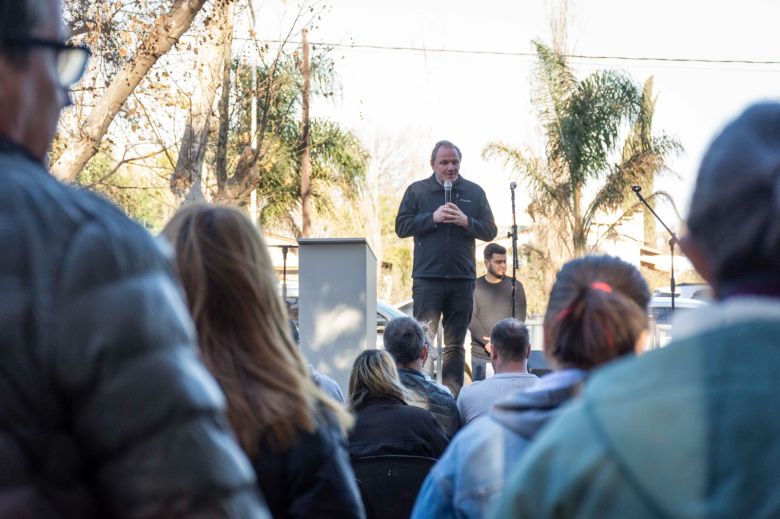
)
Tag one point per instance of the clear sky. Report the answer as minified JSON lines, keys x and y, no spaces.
{"x":473,"y":99}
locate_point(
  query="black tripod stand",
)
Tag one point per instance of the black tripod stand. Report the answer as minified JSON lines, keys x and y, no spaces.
{"x":672,"y":241}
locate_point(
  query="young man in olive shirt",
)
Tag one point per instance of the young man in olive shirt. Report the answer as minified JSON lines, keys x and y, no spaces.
{"x":492,"y":302}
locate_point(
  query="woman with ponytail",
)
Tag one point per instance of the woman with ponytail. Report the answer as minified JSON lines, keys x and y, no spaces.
{"x":597,"y":312}
{"x":292,"y":432}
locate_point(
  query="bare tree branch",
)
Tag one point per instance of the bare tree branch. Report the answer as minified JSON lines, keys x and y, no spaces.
{"x":167,"y":30}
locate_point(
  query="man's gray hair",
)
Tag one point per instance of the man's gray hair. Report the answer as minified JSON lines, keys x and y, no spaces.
{"x":444,"y":144}
{"x":404,"y":339}
{"x":735,"y":209}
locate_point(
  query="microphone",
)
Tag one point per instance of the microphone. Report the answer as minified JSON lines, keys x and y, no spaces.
{"x":636,"y":189}
{"x":447,"y":191}
{"x":512,"y":186}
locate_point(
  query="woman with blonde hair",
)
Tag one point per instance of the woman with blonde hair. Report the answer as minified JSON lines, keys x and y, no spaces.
{"x":291,"y":431}
{"x":385,"y":423}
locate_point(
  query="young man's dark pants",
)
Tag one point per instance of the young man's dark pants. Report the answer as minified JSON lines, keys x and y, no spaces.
{"x":450,"y":300}
{"x":478,"y":365}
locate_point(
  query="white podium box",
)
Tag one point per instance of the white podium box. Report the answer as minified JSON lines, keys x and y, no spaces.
{"x":337,"y":303}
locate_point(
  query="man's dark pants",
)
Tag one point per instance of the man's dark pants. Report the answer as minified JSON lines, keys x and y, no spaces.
{"x":450,"y":300}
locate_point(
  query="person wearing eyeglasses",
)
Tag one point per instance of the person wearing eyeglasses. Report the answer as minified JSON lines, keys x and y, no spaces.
{"x":105,"y":409}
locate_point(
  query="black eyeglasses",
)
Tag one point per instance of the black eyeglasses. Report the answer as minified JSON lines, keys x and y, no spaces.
{"x":71,"y":59}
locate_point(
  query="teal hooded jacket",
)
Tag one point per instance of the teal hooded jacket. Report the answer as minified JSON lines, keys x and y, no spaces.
{"x":692,"y":430}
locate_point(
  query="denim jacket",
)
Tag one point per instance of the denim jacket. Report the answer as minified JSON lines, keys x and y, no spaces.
{"x":434,"y":397}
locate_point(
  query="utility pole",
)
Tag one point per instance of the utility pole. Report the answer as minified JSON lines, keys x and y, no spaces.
{"x":305,"y":141}
{"x":253,"y":124}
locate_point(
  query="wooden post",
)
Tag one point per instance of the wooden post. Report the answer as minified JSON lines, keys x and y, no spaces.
{"x":305,"y":142}
{"x":253,"y":120}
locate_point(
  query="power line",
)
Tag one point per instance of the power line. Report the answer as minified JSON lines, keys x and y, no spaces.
{"x":435,"y":50}
{"x":529,"y":54}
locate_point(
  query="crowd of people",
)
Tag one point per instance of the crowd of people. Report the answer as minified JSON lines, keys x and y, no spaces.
{"x":144,"y":377}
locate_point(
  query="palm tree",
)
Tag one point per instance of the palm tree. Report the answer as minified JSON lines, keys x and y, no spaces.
{"x":339,"y":160}
{"x":584,"y":121}
{"x":642,"y":145}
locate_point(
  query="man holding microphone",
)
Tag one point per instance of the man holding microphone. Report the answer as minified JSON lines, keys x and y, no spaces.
{"x":445,"y":213}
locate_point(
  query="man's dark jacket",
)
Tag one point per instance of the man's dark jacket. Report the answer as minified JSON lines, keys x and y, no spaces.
{"x":444,"y":250}
{"x":432,"y":396}
{"x":105,"y":410}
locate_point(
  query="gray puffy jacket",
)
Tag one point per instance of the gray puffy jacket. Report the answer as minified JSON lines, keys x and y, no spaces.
{"x":105,"y":409}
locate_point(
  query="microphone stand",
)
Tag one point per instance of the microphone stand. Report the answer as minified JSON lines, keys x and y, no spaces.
{"x":513,"y":235}
{"x":672,"y":241}
{"x":285,"y":249}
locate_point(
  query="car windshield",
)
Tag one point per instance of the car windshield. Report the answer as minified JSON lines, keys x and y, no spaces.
{"x":663,"y":315}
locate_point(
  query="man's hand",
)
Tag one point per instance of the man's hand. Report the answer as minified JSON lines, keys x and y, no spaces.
{"x":439,"y":214}
{"x":451,"y":213}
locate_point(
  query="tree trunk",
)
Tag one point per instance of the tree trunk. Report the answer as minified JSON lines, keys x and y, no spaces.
{"x":187,"y":179}
{"x":164,"y":33}
{"x":578,"y":235}
{"x":220,"y":162}
{"x":650,"y":232}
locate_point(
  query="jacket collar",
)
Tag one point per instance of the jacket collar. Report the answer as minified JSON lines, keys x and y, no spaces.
{"x":413,"y":372}
{"x":381,"y":400}
{"x":12,"y":148}
{"x":424,"y":380}
{"x":528,"y":410}
{"x":434,"y":185}
{"x":761,"y":284}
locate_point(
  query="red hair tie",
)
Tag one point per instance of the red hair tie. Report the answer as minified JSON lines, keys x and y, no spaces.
{"x":600,"y":285}
{"x":597,"y":285}
{"x":563,"y":314}
{"x":610,"y":340}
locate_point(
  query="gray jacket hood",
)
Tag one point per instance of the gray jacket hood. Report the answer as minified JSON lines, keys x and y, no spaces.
{"x":525,"y":412}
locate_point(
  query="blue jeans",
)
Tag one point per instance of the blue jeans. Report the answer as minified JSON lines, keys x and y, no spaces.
{"x":478,"y":367}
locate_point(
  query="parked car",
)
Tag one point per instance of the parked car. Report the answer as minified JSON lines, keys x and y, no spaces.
{"x":660,"y":313}
{"x":660,"y":308}
{"x":699,"y":291}
{"x":407,"y":307}
{"x":384,"y":314}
